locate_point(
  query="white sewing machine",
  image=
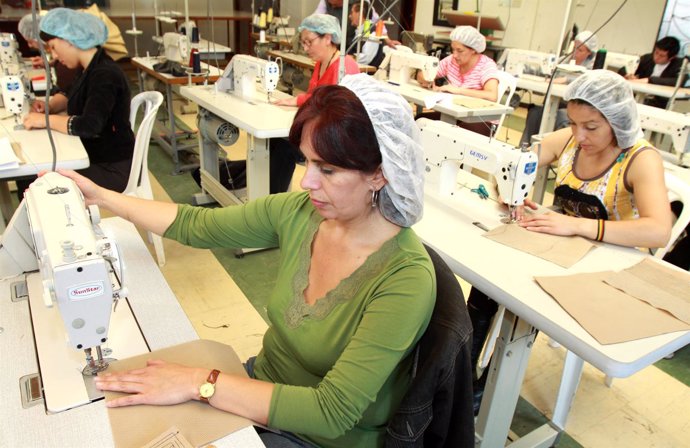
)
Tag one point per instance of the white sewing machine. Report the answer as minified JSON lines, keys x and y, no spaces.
{"x":176,"y":47}
{"x":14,"y":98}
{"x":81,"y":272}
{"x":403,"y":63}
{"x":447,"y":146}
{"x":520,"y":62}
{"x":616,"y":61}
{"x":10,"y":59}
{"x":279,"y":27}
{"x":241,"y":73}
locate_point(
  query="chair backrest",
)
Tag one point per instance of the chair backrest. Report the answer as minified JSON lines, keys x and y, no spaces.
{"x":679,"y":191}
{"x":138,"y":183}
{"x":441,"y":374}
{"x":507,"y":84}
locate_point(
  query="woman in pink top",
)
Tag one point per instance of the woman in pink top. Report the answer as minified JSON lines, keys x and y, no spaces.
{"x":320,"y":34}
{"x":467,"y":70}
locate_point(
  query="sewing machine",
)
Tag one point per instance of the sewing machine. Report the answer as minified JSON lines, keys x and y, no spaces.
{"x":241,"y":73}
{"x":447,"y":146}
{"x":520,"y":62}
{"x":14,"y":98}
{"x":616,"y":61}
{"x":10,"y":60}
{"x":403,"y":63}
{"x":80,"y":269}
{"x":279,"y":27}
{"x":176,"y":47}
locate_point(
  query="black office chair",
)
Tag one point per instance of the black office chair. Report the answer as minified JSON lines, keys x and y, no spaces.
{"x":437,"y":409}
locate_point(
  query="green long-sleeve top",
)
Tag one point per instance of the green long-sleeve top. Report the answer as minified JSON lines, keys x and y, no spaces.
{"x":340,"y":366}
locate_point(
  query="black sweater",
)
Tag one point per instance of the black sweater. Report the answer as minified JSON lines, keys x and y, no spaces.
{"x":98,"y":104}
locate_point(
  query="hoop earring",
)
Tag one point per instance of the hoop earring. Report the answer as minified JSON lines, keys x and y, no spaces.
{"x":374,"y":198}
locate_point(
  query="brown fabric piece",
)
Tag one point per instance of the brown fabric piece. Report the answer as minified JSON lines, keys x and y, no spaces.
{"x":663,"y":290}
{"x":608,"y":314}
{"x":198,"y":422}
{"x":565,"y":251}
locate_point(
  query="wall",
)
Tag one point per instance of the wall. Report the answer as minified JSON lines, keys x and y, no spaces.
{"x":536,"y":24}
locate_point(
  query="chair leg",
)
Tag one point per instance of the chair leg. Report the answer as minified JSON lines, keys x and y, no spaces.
{"x":158,"y":246}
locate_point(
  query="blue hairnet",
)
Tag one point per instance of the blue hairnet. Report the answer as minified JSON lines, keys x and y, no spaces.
{"x":611,"y":95}
{"x":469,"y":37}
{"x":322,"y":24}
{"x":401,"y":200}
{"x":81,"y":29}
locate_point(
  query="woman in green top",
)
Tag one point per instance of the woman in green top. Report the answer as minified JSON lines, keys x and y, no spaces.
{"x":355,"y":288}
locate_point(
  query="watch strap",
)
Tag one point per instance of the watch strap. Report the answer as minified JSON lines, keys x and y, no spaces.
{"x":212,"y":378}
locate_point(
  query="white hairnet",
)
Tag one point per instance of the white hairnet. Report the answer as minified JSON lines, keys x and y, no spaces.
{"x":81,"y":29}
{"x":589,"y":40}
{"x":611,"y":95}
{"x":26,"y":26}
{"x":401,"y":200}
{"x":322,"y":24}
{"x":469,"y":37}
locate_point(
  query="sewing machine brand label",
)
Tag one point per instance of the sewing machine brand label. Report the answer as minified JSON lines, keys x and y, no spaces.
{"x":530,"y":167}
{"x":86,"y":291}
{"x":478,"y":155}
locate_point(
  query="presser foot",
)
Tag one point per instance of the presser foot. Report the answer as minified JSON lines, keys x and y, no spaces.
{"x":96,"y":367}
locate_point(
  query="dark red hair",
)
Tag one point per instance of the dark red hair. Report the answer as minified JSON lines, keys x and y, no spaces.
{"x":342,"y":133}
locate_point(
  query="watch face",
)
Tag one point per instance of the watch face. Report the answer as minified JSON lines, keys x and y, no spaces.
{"x":206,"y":390}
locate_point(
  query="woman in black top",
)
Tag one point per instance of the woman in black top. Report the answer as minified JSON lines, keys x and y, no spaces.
{"x":97,"y":106}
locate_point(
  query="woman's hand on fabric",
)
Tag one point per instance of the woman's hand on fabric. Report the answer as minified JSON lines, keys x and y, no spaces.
{"x":159,"y":383}
{"x":519,"y":211}
{"x":35,"y":120}
{"x":38,"y":106}
{"x":552,"y":223}
{"x":291,"y":101}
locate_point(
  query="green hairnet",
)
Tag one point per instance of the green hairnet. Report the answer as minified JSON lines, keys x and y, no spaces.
{"x":81,"y":29}
{"x":401,"y":200}
{"x":322,"y":24}
{"x":610,"y":94}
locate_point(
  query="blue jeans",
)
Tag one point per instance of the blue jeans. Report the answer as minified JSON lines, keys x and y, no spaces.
{"x":278,"y":439}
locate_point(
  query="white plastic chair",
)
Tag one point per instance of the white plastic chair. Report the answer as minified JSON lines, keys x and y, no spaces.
{"x":139,"y":184}
{"x":507,"y":84}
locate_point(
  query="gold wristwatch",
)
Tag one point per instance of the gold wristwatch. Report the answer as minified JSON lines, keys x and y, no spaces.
{"x":207,"y":389}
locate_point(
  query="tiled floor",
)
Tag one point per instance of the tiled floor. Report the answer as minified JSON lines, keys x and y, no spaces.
{"x":650,"y":409}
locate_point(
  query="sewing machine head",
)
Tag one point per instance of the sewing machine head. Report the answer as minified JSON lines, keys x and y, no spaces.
{"x":52,"y":231}
{"x":241,"y":74}
{"x":616,"y":61}
{"x":403,"y":63}
{"x":526,"y":62}
{"x":10,"y":58}
{"x":15,"y":98}
{"x":176,"y":47}
{"x":447,"y":146}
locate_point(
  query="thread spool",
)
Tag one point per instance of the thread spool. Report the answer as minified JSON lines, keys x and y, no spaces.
{"x":262,"y":36}
{"x":269,"y":16}
{"x":262,"y":19}
{"x":379,"y":28}
{"x":195,"y":35}
{"x":196,"y":61}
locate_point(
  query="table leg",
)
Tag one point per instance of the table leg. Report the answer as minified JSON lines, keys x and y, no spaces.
{"x":258,"y":168}
{"x":570,"y":380}
{"x":506,"y":373}
{"x":5,"y":205}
